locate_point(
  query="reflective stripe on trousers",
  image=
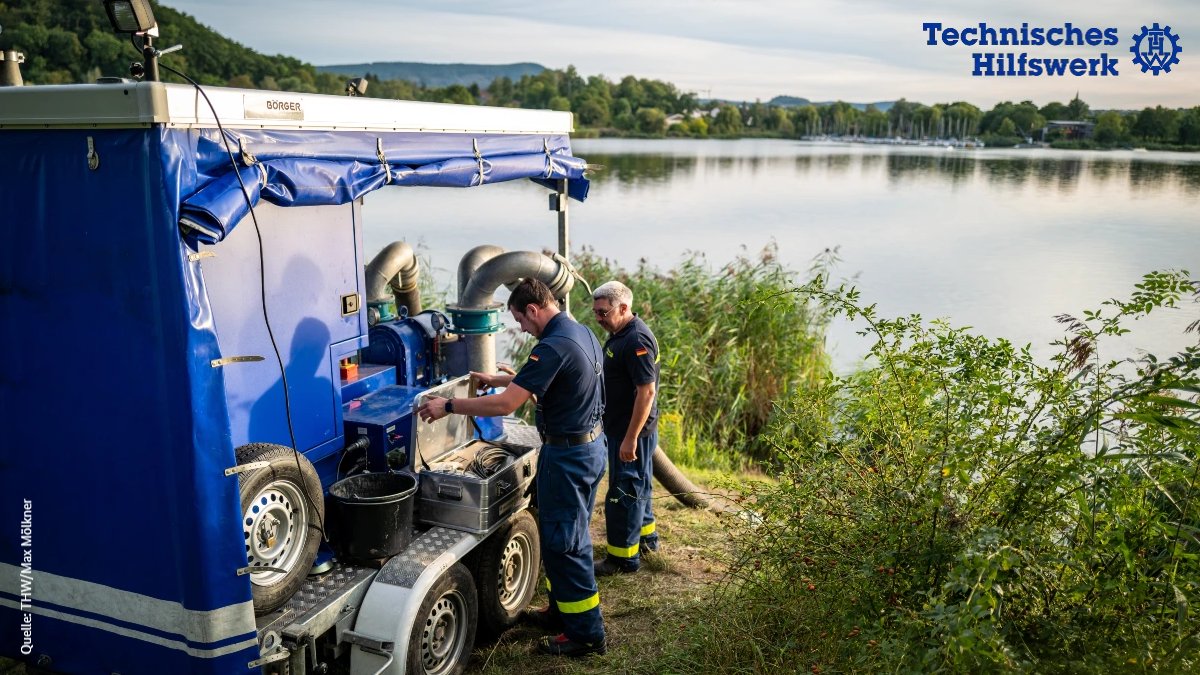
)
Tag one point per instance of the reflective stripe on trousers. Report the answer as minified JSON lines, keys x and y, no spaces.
{"x":628,"y":506}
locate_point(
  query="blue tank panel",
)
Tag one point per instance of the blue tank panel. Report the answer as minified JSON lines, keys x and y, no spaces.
{"x":311,"y":259}
{"x":384,"y":418}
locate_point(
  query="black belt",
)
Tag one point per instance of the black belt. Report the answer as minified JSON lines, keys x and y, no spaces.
{"x":574,"y":439}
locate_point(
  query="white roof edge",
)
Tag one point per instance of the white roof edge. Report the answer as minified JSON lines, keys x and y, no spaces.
{"x":176,"y":105}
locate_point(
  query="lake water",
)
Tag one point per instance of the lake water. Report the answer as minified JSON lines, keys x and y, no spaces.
{"x":1000,"y":240}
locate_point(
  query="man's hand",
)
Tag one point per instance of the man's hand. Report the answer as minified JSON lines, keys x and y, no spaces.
{"x":628,"y":450}
{"x":433,"y":409}
{"x":485,"y":380}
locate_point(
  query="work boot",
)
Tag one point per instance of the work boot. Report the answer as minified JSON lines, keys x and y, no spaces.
{"x":648,"y":546}
{"x":610,"y":566}
{"x":544,"y":619}
{"x":561,"y":645}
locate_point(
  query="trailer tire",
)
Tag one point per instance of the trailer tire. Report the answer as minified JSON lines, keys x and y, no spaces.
{"x":444,"y":631}
{"x":507,"y":573}
{"x":282,"y":511}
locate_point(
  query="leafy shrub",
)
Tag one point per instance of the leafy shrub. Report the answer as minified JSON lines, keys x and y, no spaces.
{"x":960,"y":507}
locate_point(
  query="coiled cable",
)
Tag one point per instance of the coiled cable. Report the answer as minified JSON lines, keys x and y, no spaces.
{"x":489,"y":461}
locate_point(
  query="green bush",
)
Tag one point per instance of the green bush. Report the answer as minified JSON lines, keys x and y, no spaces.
{"x":961,"y":507}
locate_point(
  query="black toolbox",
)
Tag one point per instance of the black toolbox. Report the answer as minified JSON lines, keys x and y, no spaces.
{"x":465,"y":483}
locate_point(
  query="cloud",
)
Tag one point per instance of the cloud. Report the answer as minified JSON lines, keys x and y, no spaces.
{"x":861,"y":50}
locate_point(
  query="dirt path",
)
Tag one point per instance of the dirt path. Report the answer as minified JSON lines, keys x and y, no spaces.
{"x":669,"y":587}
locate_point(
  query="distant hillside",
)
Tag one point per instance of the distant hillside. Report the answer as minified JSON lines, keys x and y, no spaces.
{"x":436,"y":74}
{"x":795,"y":102}
{"x":789,"y":101}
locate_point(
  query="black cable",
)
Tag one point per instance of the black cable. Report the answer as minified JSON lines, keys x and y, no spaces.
{"x":478,"y":429}
{"x":262,"y":277}
{"x":417,"y":449}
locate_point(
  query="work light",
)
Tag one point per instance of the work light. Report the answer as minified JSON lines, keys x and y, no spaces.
{"x":129,"y":16}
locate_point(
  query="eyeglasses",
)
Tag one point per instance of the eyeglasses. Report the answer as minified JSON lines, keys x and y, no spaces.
{"x":602,"y":313}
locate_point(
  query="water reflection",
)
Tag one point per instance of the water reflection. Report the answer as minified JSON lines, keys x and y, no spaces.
{"x":1047,"y":172}
{"x":1000,"y":239}
{"x":635,"y":169}
{"x":949,"y":167}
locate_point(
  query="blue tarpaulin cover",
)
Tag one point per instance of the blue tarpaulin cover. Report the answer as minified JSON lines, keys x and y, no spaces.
{"x":297,"y":168}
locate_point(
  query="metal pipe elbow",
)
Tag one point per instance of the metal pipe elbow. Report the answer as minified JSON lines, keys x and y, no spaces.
{"x":394,"y":273}
{"x":471,"y":262}
{"x":509,"y":268}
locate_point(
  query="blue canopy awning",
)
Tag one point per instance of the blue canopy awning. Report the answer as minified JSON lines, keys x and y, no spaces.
{"x":308,"y":168}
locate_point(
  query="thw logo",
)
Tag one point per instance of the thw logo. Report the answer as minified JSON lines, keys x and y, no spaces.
{"x":1156,"y":49}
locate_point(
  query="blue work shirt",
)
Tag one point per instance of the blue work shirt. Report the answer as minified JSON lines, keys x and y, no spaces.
{"x":630,"y":359}
{"x":566,"y":373}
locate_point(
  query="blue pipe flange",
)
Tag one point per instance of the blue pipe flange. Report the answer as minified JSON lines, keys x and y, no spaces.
{"x":475,"y":320}
{"x":386,"y":310}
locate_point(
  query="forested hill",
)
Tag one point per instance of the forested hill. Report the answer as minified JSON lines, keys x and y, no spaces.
{"x":796,"y":102}
{"x":436,"y":74}
{"x":66,"y":41}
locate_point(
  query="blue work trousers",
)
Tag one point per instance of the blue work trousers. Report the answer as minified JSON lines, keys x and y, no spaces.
{"x":629,"y":504}
{"x":567,"y":481}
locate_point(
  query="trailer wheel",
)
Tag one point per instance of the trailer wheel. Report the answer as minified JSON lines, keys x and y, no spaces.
{"x":444,"y":632}
{"x":508,"y":573}
{"x":282,"y":511}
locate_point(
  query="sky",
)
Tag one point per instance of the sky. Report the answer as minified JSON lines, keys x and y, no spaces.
{"x":853,"y":50}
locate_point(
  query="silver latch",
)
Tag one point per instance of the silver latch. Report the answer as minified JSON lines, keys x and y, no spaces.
{"x":248,"y":466}
{"x":217,"y":363}
{"x":93,"y":158}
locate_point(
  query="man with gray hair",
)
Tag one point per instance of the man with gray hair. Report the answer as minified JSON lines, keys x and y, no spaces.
{"x":631,"y":371}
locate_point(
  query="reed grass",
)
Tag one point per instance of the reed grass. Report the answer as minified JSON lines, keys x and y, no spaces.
{"x":726,"y":354}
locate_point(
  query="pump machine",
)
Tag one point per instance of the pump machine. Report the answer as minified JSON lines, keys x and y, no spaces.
{"x":210,"y":382}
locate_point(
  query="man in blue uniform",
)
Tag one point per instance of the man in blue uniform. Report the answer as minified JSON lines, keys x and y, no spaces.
{"x":565,"y":373}
{"x":631,"y":425}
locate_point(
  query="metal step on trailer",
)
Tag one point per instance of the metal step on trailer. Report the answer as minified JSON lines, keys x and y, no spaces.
{"x":324,"y":601}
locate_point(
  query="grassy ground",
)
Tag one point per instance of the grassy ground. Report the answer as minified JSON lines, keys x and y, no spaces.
{"x":641,"y":611}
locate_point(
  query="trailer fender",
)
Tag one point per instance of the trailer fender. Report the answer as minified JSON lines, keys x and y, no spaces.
{"x":394,"y":597}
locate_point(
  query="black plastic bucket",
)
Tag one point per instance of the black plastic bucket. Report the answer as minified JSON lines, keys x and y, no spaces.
{"x":374,"y":514}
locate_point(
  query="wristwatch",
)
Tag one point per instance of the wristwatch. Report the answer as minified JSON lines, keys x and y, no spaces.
{"x":449,"y":405}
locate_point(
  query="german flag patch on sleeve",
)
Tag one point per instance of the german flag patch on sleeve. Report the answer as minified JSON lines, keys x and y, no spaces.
{"x":641,"y":351}
{"x":534,"y":357}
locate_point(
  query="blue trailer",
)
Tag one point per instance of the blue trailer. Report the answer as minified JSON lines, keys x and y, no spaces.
{"x":186,"y":296}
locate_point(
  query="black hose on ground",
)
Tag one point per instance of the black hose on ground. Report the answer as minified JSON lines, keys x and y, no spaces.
{"x":670,"y":477}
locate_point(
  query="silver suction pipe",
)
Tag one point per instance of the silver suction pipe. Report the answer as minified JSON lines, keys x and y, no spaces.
{"x":505,"y":269}
{"x":393,"y":274}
